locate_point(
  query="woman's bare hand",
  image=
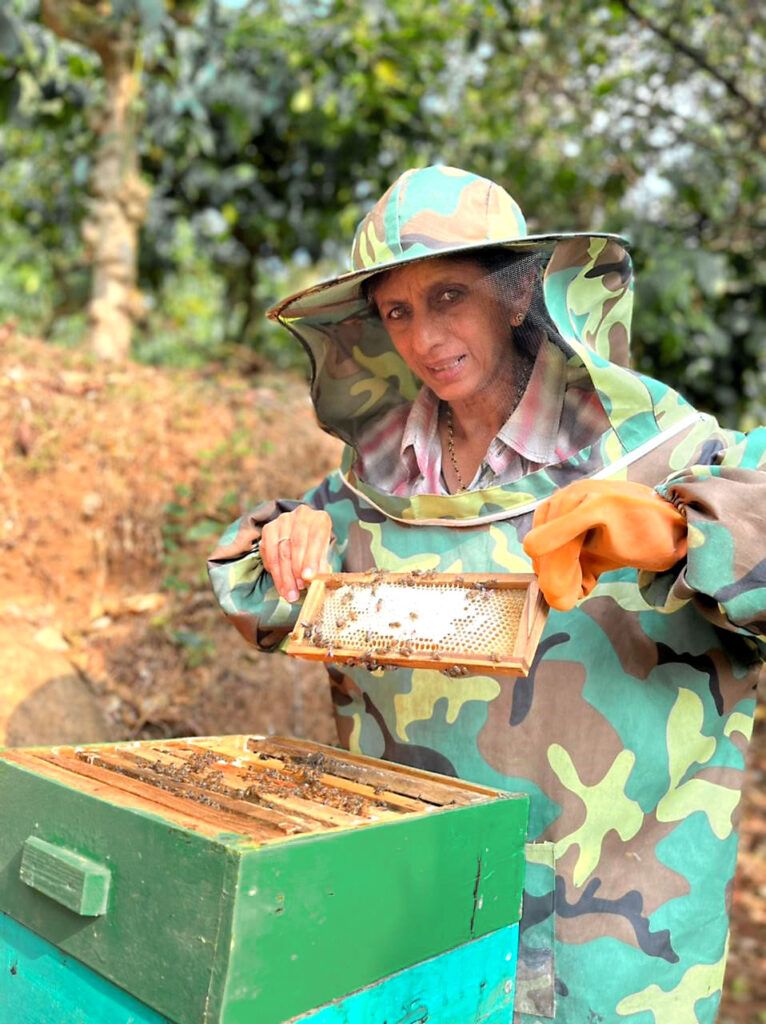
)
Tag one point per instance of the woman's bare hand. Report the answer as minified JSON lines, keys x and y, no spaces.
{"x":294,"y":549}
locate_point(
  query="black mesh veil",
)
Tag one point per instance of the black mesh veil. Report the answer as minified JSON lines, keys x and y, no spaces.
{"x":511,"y":285}
{"x":471,"y":326}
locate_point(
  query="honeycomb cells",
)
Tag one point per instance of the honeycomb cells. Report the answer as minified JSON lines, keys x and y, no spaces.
{"x":421,"y":619}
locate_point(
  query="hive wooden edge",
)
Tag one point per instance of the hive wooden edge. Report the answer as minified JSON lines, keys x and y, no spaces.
{"x":35,"y":759}
{"x":426,"y":577}
{"x":518,"y":666}
{"x":139,"y":797}
{"x":394,"y":767}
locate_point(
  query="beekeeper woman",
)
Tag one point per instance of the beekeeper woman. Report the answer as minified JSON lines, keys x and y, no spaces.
{"x":478,"y":375}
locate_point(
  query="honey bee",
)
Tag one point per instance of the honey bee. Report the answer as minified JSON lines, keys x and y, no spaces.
{"x":455,"y":671}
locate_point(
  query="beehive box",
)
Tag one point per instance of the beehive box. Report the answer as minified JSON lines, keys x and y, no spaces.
{"x":228,"y":880}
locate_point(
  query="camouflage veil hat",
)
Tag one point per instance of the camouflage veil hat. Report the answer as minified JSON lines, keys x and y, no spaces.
{"x":427,"y":212}
{"x":357,"y":376}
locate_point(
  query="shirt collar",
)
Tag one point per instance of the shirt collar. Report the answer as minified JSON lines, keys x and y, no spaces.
{"x":532,"y":428}
{"x":421,"y":429}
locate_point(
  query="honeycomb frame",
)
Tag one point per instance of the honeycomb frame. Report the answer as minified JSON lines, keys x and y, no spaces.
{"x":457,"y":623}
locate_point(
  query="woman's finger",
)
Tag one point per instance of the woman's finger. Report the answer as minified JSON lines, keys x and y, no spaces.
{"x":318,"y":542}
{"x":294,"y":548}
{"x":300,"y":539}
{"x":275,"y":555}
{"x":285,"y":580}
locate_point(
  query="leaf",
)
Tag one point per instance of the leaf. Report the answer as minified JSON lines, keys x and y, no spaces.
{"x":387,"y":73}
{"x":302,"y":100}
{"x":205,"y":528}
{"x":10,"y":94}
{"x":31,"y":279}
{"x":230,"y":214}
{"x":188,"y":638}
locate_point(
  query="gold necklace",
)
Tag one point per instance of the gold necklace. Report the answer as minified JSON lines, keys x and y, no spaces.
{"x":451,"y":448}
{"x":521,"y":386}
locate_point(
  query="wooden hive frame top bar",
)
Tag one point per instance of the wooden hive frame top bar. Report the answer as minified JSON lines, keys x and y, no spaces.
{"x":268,"y":789}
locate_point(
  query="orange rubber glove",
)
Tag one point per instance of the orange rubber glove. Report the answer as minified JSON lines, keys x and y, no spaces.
{"x":594,"y":526}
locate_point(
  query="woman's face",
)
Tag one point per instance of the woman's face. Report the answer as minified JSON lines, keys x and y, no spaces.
{"x":448,"y":326}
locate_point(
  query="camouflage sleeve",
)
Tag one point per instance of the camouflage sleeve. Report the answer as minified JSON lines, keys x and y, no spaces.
{"x":242,"y":586}
{"x":724,"y":574}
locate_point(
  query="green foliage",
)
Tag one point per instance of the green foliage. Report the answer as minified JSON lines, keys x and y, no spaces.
{"x":268,"y":128}
{"x":44,"y":158}
{"x":271,"y":130}
{"x":197,"y":648}
{"x":700,"y":323}
{"x":190,"y":523}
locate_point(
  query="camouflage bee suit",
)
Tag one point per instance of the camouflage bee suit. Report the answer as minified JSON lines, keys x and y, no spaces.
{"x":630,"y":733}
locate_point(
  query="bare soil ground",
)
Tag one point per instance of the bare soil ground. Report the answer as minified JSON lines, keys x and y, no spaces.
{"x":114,"y":483}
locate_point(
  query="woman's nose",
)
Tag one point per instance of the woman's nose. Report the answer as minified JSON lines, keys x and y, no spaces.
{"x":424,"y":335}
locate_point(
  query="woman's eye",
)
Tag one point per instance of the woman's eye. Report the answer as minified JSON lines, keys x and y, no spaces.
{"x":450,"y":295}
{"x":396,"y":313}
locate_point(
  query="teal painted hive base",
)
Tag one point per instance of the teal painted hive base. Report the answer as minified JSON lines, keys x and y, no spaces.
{"x":41,"y":985}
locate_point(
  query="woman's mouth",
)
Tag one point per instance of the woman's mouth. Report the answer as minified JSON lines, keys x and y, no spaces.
{"x":447,"y":368}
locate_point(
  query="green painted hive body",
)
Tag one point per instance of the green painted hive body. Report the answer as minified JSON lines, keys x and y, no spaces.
{"x":223,"y":881}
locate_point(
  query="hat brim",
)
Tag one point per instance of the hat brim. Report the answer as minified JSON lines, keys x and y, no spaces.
{"x":345,"y":288}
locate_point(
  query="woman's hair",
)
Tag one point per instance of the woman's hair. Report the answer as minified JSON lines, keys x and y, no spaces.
{"x":510,"y":274}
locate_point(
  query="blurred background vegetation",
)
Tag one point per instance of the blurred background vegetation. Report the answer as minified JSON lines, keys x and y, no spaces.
{"x":188,"y":162}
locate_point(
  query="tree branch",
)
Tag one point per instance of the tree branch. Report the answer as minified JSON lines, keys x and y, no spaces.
{"x":91,"y":28}
{"x":698,"y":58}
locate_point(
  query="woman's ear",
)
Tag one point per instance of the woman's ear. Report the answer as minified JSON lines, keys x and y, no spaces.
{"x":520,"y":296}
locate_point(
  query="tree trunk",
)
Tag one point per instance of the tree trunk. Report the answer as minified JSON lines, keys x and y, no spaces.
{"x":119,"y":197}
{"x":117,"y":211}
